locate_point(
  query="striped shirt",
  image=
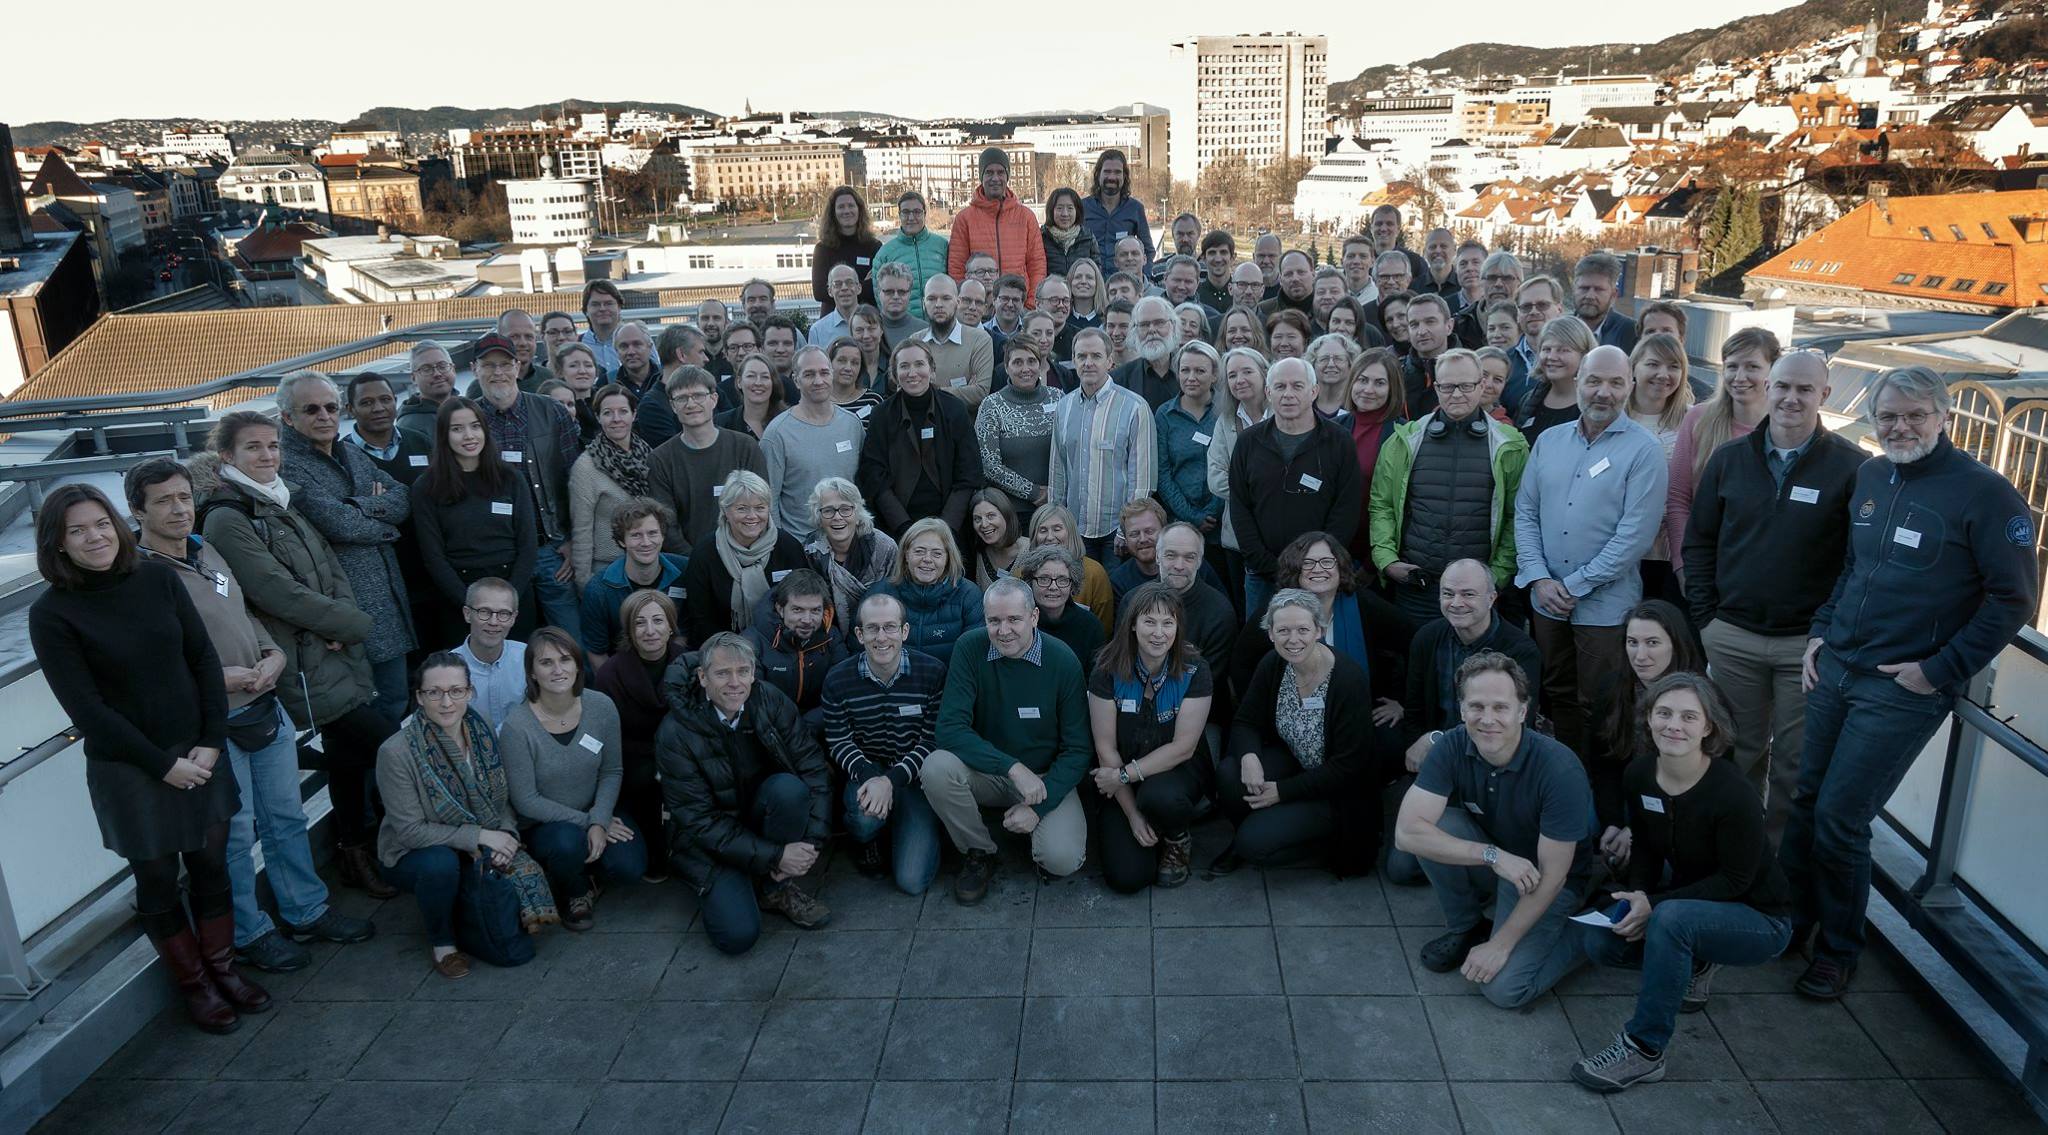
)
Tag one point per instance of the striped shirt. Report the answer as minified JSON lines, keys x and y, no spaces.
{"x":1103,"y":455}
{"x":873,"y":729}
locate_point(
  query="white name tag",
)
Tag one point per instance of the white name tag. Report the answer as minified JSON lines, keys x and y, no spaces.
{"x":1906,"y":536}
{"x":1201,"y":439}
{"x":678,"y":593}
{"x":1123,"y":234}
{"x":1028,"y":712}
{"x":1652,"y":804}
{"x":513,"y":456}
{"x":501,"y":508}
{"x":591,"y":743}
{"x":1128,"y":705}
{"x":717,"y":491}
{"x":844,"y":447}
{"x":1805,"y":495}
{"x":1311,"y":703}
{"x":778,"y":576}
{"x":220,"y":585}
{"x":961,"y":381}
{"x":1311,"y":483}
{"x":1598,"y":468}
{"x":1052,"y":407}
{"x":910,"y":711}
{"x":1474,"y":808}
{"x":925,"y":433}
{"x":863,"y":412}
{"x":417,"y":460}
{"x":861,"y":260}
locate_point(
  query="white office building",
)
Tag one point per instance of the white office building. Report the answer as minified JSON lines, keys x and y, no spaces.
{"x":1263,"y":96}
{"x":552,"y":210}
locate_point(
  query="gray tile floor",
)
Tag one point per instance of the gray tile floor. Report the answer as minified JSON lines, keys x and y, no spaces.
{"x":1278,"y":1001}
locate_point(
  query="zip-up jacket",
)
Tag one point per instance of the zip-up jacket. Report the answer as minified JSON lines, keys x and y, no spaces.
{"x":1940,"y":570}
{"x":1507,"y":451}
{"x":1004,"y":229}
{"x":1764,"y":556}
{"x":924,"y":254}
{"x":796,"y":666}
{"x":1273,"y":499}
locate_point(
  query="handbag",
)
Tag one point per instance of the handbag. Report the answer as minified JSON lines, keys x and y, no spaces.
{"x":254,"y":726}
{"x":487,"y":917}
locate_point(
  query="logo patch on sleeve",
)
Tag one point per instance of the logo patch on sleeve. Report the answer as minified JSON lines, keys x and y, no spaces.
{"x":2020,"y":530}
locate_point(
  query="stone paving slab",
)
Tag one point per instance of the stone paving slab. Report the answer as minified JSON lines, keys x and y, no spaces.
{"x":1282,"y":1001}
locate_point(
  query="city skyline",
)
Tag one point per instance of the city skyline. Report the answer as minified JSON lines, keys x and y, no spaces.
{"x":382,"y":67}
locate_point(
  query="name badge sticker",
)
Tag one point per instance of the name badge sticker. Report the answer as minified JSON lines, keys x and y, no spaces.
{"x":591,"y":743}
{"x":961,"y":381}
{"x":501,"y":508}
{"x":1311,"y":483}
{"x":925,"y":433}
{"x":513,"y":456}
{"x":1028,"y":712}
{"x":717,"y":491}
{"x":1201,"y":438}
{"x":1906,"y":536}
{"x":1052,"y":407}
{"x":1128,"y":705}
{"x":678,"y":593}
{"x":220,"y":585}
{"x":1311,"y":703}
{"x":912,"y":710}
{"x":1598,"y":468}
{"x":778,"y":576}
{"x":417,"y":460}
{"x":844,"y":446}
{"x":1805,"y":494}
{"x":861,"y":260}
{"x":1652,"y":804}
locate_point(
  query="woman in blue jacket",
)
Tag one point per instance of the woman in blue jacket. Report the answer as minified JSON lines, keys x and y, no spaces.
{"x":939,"y":601}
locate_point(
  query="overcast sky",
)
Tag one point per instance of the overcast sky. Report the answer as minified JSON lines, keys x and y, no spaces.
{"x":951,"y":59}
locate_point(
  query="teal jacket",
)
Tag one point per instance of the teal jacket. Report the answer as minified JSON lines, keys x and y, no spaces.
{"x":925,"y":256}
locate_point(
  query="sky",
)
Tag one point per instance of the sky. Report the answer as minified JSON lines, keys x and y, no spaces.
{"x":953,"y":59}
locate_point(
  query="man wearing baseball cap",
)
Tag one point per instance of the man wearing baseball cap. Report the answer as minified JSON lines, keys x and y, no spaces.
{"x":997,"y":223}
{"x":537,"y":439}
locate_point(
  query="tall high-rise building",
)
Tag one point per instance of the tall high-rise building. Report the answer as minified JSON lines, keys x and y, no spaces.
{"x":1262,"y":96}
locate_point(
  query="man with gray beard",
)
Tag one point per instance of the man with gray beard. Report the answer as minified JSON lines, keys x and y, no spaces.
{"x":1155,"y":336}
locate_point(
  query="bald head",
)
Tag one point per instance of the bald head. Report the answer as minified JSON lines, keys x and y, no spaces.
{"x":1798,"y":388}
{"x":1604,"y":383}
{"x":1465,"y":596}
{"x":1604,"y":359}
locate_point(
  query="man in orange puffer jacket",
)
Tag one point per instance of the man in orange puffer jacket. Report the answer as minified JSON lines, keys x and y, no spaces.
{"x":997,"y":223}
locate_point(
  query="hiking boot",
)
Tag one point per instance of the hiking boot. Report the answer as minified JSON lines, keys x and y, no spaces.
{"x":1697,"y":989}
{"x":1618,"y":1066}
{"x":970,"y":886}
{"x":578,"y":916}
{"x":1174,"y":854}
{"x":356,"y":867}
{"x":1446,"y":953}
{"x":1225,"y":864}
{"x":792,"y":902}
{"x":274,"y":953}
{"x":333,"y":926}
{"x":870,"y":858}
{"x":1825,"y":979}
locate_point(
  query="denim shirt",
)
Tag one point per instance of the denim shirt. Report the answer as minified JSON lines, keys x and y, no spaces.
{"x":1587,"y":513}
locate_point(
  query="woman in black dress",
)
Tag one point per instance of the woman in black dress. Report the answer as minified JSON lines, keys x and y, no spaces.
{"x":126,"y":655}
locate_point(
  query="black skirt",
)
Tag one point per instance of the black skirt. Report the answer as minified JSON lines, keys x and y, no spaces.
{"x":141,"y":817}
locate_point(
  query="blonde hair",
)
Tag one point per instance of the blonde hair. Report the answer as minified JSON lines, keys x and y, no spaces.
{"x":929,"y":526}
{"x":1665,"y":346}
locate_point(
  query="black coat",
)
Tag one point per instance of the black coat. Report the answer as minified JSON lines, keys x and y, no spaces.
{"x":700,"y":774}
{"x":890,"y":460}
{"x":707,"y":609}
{"x":1319,"y":490}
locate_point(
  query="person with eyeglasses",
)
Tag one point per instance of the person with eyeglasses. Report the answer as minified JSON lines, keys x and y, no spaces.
{"x":1537,"y":300}
{"x":433,"y":382}
{"x":1941,"y":574}
{"x":1290,"y":474}
{"x":447,"y":805}
{"x":1051,"y":571}
{"x":881,"y":712}
{"x":1443,"y":490}
{"x":537,"y":440}
{"x":496,"y":661}
{"x":684,"y":473}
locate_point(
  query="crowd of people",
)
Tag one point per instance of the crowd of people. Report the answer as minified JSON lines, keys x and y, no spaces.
{"x":1424,"y":564}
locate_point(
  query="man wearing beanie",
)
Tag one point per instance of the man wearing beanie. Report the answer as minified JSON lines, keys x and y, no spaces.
{"x":997,"y":223}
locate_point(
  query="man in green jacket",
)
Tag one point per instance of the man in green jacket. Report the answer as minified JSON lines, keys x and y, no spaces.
{"x":1012,"y":733}
{"x":1428,"y":506}
{"x":916,"y":247}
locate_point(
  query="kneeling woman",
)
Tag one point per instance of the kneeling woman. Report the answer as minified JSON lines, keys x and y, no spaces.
{"x":564,"y":763}
{"x":446,"y":802}
{"x":1705,"y":890}
{"x":1148,"y":699}
{"x":1301,"y":743}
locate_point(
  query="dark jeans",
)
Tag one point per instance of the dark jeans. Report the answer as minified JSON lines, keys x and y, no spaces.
{"x":1580,"y":664}
{"x":1101,"y":549}
{"x":1284,"y":833}
{"x":1167,"y":801}
{"x":432,"y":874}
{"x":1862,"y":733}
{"x":640,"y":803}
{"x":1682,"y":933}
{"x":561,"y":849}
{"x":350,"y":743}
{"x":732,"y":915}
{"x":913,"y":835}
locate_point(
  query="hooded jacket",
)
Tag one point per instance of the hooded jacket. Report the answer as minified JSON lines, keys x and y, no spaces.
{"x":1006,"y":230}
{"x":701,"y":765}
{"x":923,"y":253}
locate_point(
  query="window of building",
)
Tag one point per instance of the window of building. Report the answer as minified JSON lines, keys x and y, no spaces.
{"x":700,"y":260}
{"x":1963,"y":284}
{"x":1958,"y":231}
{"x":1997,"y":288}
{"x":1988,"y":230}
{"x":1933,"y":281}
{"x":1926,"y":233}
{"x":1903,"y":278}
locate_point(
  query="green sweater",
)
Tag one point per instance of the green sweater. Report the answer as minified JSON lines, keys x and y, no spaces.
{"x":995,"y":714}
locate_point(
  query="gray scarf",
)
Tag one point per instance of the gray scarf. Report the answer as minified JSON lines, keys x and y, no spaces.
{"x":749,"y":570}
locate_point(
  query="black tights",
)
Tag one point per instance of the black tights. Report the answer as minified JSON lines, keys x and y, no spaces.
{"x":350,"y":743}
{"x":156,"y":885}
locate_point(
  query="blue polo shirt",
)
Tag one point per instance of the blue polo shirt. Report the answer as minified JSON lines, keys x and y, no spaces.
{"x":1541,"y":791}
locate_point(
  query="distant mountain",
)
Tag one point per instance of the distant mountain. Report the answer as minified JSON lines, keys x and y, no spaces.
{"x":440,"y":119}
{"x":1738,"y":39}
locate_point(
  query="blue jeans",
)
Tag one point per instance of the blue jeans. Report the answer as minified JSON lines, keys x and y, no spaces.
{"x":1258,"y":591}
{"x":1862,"y":733}
{"x":559,"y":605}
{"x":732,"y":915}
{"x":389,"y":676}
{"x":433,"y":875}
{"x":1681,"y":933}
{"x":273,"y":812}
{"x":1470,"y":895}
{"x":561,"y":849}
{"x":915,"y":829}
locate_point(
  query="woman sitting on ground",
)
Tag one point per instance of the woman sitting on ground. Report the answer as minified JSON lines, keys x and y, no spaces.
{"x":632,"y":677}
{"x":939,"y":602}
{"x":849,"y":551}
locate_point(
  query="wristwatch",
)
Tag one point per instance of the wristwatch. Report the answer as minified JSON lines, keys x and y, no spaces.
{"x":1123,"y":774}
{"x":1491,"y":855}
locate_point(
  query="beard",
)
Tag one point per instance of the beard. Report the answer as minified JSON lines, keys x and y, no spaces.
{"x":1155,"y":348}
{"x":1906,"y":455}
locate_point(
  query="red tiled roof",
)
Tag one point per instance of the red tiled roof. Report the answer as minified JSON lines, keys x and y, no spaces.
{"x":57,"y":179}
{"x":1925,"y":247}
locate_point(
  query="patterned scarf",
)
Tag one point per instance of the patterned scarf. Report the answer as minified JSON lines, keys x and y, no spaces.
{"x":628,"y":467}
{"x":468,"y":791}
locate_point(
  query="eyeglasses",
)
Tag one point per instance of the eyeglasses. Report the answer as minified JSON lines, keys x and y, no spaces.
{"x":1052,"y":582}
{"x":499,"y":366}
{"x":881,"y":628}
{"x":1533,"y":308}
{"x":434,"y":368}
{"x":1320,"y":563}
{"x":491,"y":614}
{"x":1916,"y":419}
{"x":832,"y":510}
{"x":445,"y":697}
{"x":692,"y":397}
{"x":1501,"y":278}
{"x":1457,"y":387}
{"x":328,"y":408}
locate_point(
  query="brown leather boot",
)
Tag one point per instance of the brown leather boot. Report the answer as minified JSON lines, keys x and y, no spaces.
{"x":358,"y":869}
{"x":217,"y":949}
{"x":203,"y":1003}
